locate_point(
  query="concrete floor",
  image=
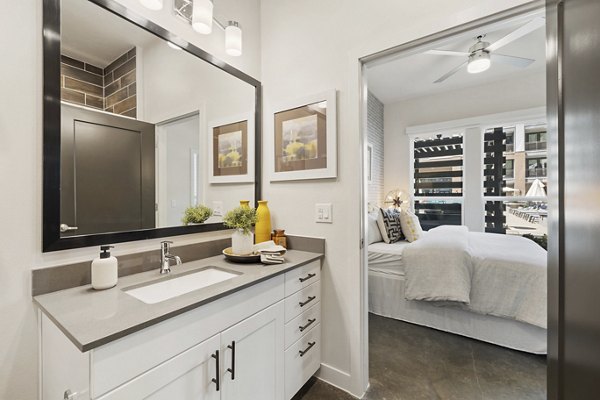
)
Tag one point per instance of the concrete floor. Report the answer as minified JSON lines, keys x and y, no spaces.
{"x":410,"y":362}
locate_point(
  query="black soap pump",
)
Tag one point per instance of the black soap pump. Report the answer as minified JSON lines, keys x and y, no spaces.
{"x":105,"y":270}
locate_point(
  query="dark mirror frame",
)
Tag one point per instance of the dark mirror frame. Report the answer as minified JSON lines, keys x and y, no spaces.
{"x":51,"y":240}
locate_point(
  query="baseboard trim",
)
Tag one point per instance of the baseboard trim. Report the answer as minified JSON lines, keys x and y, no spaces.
{"x":336,"y":378}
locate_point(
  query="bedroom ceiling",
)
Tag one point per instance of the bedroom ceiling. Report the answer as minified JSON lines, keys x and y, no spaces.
{"x":397,"y":79}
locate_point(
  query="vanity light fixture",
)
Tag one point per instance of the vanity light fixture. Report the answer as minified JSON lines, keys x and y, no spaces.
{"x":202,"y":16}
{"x":199,"y":13}
{"x":233,"y":39}
{"x":154,"y":5}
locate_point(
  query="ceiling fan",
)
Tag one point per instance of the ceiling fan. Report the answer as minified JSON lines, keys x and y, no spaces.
{"x":482,"y":54}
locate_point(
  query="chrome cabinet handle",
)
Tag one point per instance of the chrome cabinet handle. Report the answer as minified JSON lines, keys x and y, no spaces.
{"x":310,"y":298}
{"x":307,"y":277}
{"x":232,"y":369}
{"x":310,"y":346}
{"x":310,"y":322}
{"x":66,"y":228}
{"x":217,"y":379}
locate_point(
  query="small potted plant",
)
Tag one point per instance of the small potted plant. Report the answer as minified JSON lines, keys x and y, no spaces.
{"x":241,"y":219}
{"x":196,"y":214}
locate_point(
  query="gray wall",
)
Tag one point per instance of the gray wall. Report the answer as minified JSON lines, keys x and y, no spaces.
{"x":375,"y":138}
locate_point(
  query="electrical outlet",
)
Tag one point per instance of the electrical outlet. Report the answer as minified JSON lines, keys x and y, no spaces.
{"x":323,"y":213}
{"x":217,"y":207}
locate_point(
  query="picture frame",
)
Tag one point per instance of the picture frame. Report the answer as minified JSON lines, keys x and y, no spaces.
{"x":302,"y":139}
{"x":231,"y":149}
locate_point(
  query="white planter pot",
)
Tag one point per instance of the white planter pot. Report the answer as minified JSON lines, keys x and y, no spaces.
{"x":241,"y":243}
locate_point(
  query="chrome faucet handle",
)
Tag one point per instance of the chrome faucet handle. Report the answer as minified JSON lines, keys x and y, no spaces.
{"x":166,"y":246}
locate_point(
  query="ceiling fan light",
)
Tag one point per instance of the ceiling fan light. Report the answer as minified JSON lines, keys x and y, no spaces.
{"x":154,"y":5}
{"x":202,"y":16}
{"x":233,"y":39}
{"x":478,"y":62}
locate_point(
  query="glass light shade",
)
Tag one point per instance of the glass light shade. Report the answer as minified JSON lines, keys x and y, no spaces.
{"x":152,"y":4}
{"x":202,"y":16}
{"x":397,"y":198}
{"x":233,"y":39}
{"x":478,"y":63}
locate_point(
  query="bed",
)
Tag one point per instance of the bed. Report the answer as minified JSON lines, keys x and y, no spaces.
{"x":504,"y":279}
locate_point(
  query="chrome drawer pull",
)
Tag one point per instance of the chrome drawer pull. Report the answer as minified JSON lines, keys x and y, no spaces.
{"x":307,"y":277}
{"x":310,"y":345}
{"x":310,"y":298}
{"x":310,"y":322}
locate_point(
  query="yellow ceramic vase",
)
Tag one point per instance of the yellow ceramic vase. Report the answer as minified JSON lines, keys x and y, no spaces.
{"x":262,"y":230}
{"x":245,"y":203}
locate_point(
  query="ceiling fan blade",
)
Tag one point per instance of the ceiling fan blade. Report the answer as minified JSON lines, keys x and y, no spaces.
{"x":450,"y":73}
{"x":516,"y":34}
{"x":518,"y":62}
{"x":447,"y":53}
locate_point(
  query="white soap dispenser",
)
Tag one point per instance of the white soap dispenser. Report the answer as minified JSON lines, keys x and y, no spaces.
{"x":104,"y":270}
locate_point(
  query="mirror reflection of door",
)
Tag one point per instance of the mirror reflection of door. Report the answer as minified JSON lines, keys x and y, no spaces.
{"x":178,"y":167}
{"x":107,"y":173}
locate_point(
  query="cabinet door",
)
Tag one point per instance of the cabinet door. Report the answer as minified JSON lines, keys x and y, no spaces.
{"x":254,"y":370}
{"x":188,"y":376}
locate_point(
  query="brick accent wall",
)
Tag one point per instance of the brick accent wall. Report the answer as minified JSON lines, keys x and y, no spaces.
{"x":111,"y":89}
{"x":375,"y":138}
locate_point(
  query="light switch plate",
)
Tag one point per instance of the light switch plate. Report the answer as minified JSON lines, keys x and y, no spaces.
{"x":323,"y":213}
{"x":217,"y":207}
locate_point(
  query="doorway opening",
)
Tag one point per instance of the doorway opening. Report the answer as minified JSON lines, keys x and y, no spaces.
{"x":455,"y":204}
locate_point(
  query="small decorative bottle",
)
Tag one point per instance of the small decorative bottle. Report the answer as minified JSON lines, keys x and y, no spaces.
{"x":245,"y":203}
{"x":262,"y":230}
{"x":279,"y":237}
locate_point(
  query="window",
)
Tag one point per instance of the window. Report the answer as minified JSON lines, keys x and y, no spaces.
{"x":515,"y":184}
{"x":438,"y":174}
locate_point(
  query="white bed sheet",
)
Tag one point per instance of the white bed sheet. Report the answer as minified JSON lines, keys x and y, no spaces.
{"x":386,"y":298}
{"x":386,"y":258}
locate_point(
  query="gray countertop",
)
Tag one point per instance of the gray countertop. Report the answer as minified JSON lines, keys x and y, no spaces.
{"x":93,"y":318}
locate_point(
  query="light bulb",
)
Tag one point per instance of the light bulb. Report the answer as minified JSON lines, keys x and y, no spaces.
{"x":152,"y":4}
{"x":233,"y":39}
{"x":202,"y":16}
{"x":478,"y":62}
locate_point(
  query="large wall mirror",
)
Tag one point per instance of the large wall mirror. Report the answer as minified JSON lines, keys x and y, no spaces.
{"x":139,"y":125}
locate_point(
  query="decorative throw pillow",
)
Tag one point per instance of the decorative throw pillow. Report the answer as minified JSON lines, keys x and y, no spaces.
{"x":373,"y":233}
{"x":389,"y":225}
{"x":411,"y":227}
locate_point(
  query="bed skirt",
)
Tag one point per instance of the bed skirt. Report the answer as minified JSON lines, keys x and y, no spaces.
{"x":386,"y":298}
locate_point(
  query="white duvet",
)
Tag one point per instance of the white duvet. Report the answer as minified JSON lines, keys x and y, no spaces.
{"x":493,"y":274}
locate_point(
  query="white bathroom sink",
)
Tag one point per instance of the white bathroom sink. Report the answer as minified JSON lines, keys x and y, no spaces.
{"x":173,"y":287}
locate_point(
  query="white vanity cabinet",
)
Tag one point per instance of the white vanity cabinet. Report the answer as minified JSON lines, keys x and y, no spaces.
{"x":244,"y":346}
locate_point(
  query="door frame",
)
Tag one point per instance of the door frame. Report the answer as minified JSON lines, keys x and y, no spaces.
{"x":554,"y":199}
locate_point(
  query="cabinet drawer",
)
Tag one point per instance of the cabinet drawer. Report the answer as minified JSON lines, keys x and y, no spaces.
{"x":302,"y":324}
{"x":119,"y":361}
{"x":302,"y":277}
{"x":302,"y":360}
{"x":302,"y":300}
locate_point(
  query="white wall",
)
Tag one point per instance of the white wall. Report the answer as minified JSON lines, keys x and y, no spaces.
{"x":309,"y":47}
{"x":21,"y":182}
{"x":176,"y":83}
{"x":527,"y":91}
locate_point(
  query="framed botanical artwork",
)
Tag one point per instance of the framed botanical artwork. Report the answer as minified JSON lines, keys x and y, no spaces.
{"x":304,"y":138}
{"x":231,"y":150}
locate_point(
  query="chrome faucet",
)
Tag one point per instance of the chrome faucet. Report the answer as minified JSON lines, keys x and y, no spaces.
{"x":166,"y":257}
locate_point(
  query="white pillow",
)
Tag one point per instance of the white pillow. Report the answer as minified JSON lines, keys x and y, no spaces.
{"x":389,"y":225}
{"x":411,"y":227}
{"x":373,"y":234}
